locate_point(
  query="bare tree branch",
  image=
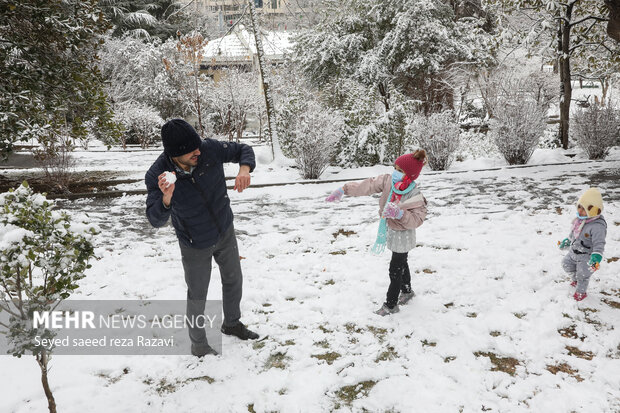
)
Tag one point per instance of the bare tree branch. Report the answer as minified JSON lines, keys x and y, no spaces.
{"x":597,"y":18}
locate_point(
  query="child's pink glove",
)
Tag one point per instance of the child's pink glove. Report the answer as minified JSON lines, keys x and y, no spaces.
{"x":392,"y":211}
{"x":335,"y":196}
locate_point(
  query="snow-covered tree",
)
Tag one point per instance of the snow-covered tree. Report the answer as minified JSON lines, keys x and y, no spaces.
{"x":597,"y":129}
{"x":601,"y":63}
{"x":404,"y":46}
{"x":438,"y":134}
{"x":170,"y":87}
{"x":513,"y":85}
{"x":50,"y":81}
{"x":190,"y":49}
{"x":130,"y":65}
{"x":360,"y":107}
{"x":147,"y":18}
{"x":231,"y":99}
{"x":565,"y":31}
{"x":383,"y":140}
{"x":517,"y":129}
{"x":128,"y":16}
{"x":57,"y":161}
{"x":266,"y":84}
{"x":43,"y":255}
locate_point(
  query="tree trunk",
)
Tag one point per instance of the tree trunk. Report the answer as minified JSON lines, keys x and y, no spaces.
{"x":196,"y":74}
{"x":43,"y":359}
{"x":275,"y":144}
{"x":385,"y":96}
{"x":604,"y":89}
{"x":566,"y":91}
{"x":613,"y":26}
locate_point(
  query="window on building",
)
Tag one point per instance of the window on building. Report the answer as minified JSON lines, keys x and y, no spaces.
{"x":258,"y":3}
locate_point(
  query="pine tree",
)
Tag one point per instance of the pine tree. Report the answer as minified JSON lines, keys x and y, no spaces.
{"x":404,"y":46}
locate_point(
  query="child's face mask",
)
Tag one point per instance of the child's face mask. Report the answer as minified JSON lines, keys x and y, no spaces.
{"x":397,"y":176}
{"x":580,"y":211}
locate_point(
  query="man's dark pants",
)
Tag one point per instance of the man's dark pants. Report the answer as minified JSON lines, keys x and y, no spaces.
{"x":197,"y":266}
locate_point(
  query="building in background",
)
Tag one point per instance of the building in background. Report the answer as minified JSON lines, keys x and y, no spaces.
{"x":238,"y":50}
{"x":275,"y":14}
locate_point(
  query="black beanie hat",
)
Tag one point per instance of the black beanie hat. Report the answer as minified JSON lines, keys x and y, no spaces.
{"x":179,"y":138}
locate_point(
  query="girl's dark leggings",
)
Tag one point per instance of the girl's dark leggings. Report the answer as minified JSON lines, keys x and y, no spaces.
{"x":400,"y":278}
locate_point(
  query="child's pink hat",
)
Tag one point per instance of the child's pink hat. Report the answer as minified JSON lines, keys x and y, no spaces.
{"x":412,"y":163}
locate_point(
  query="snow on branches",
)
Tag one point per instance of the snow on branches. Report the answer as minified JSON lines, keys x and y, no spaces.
{"x":597,"y":129}
{"x":439,"y":135}
{"x":517,"y":130}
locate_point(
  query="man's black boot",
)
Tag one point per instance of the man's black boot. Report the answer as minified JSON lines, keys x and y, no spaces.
{"x":239,"y":330}
{"x":201,"y":350}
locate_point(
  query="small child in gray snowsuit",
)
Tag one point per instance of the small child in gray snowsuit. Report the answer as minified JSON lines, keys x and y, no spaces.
{"x":586,"y":242}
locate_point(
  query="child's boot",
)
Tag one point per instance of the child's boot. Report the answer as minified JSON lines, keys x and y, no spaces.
{"x":406,"y":294}
{"x":579,"y":296}
{"x":385,"y":310}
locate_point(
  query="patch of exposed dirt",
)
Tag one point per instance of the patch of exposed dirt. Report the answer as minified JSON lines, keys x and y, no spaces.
{"x":574,"y":351}
{"x":348,"y":394}
{"x":328,"y":357}
{"x":389,"y":354}
{"x":504,"y":364}
{"x":80,"y":182}
{"x":569,"y":332}
{"x":343,"y":232}
{"x":611,"y":303}
{"x":565,"y":368}
{"x":277,"y":361}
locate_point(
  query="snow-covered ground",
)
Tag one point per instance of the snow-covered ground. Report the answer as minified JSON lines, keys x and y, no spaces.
{"x":493,"y":326}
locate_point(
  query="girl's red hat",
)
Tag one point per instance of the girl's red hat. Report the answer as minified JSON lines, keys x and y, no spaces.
{"x":412,"y":163}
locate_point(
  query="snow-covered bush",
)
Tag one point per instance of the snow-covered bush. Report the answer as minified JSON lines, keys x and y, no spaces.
{"x":597,"y":129}
{"x":142,"y":123}
{"x":439,"y":135}
{"x":474,"y":144}
{"x":286,"y":121}
{"x":549,"y":139}
{"x":291,"y":94}
{"x":315,"y":133}
{"x":517,"y":130}
{"x":43,"y":255}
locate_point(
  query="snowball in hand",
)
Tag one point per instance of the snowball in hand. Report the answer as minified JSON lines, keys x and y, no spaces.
{"x":170,"y":178}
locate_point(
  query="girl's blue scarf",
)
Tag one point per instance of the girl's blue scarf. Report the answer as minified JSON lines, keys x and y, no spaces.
{"x":379,"y":246}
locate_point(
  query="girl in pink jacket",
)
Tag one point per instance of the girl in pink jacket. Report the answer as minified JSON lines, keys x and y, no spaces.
{"x":402,"y":209}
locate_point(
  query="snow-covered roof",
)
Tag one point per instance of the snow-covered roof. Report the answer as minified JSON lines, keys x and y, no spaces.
{"x":239,"y":46}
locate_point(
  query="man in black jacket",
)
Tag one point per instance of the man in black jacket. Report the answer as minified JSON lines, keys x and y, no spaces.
{"x":199,"y":207}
